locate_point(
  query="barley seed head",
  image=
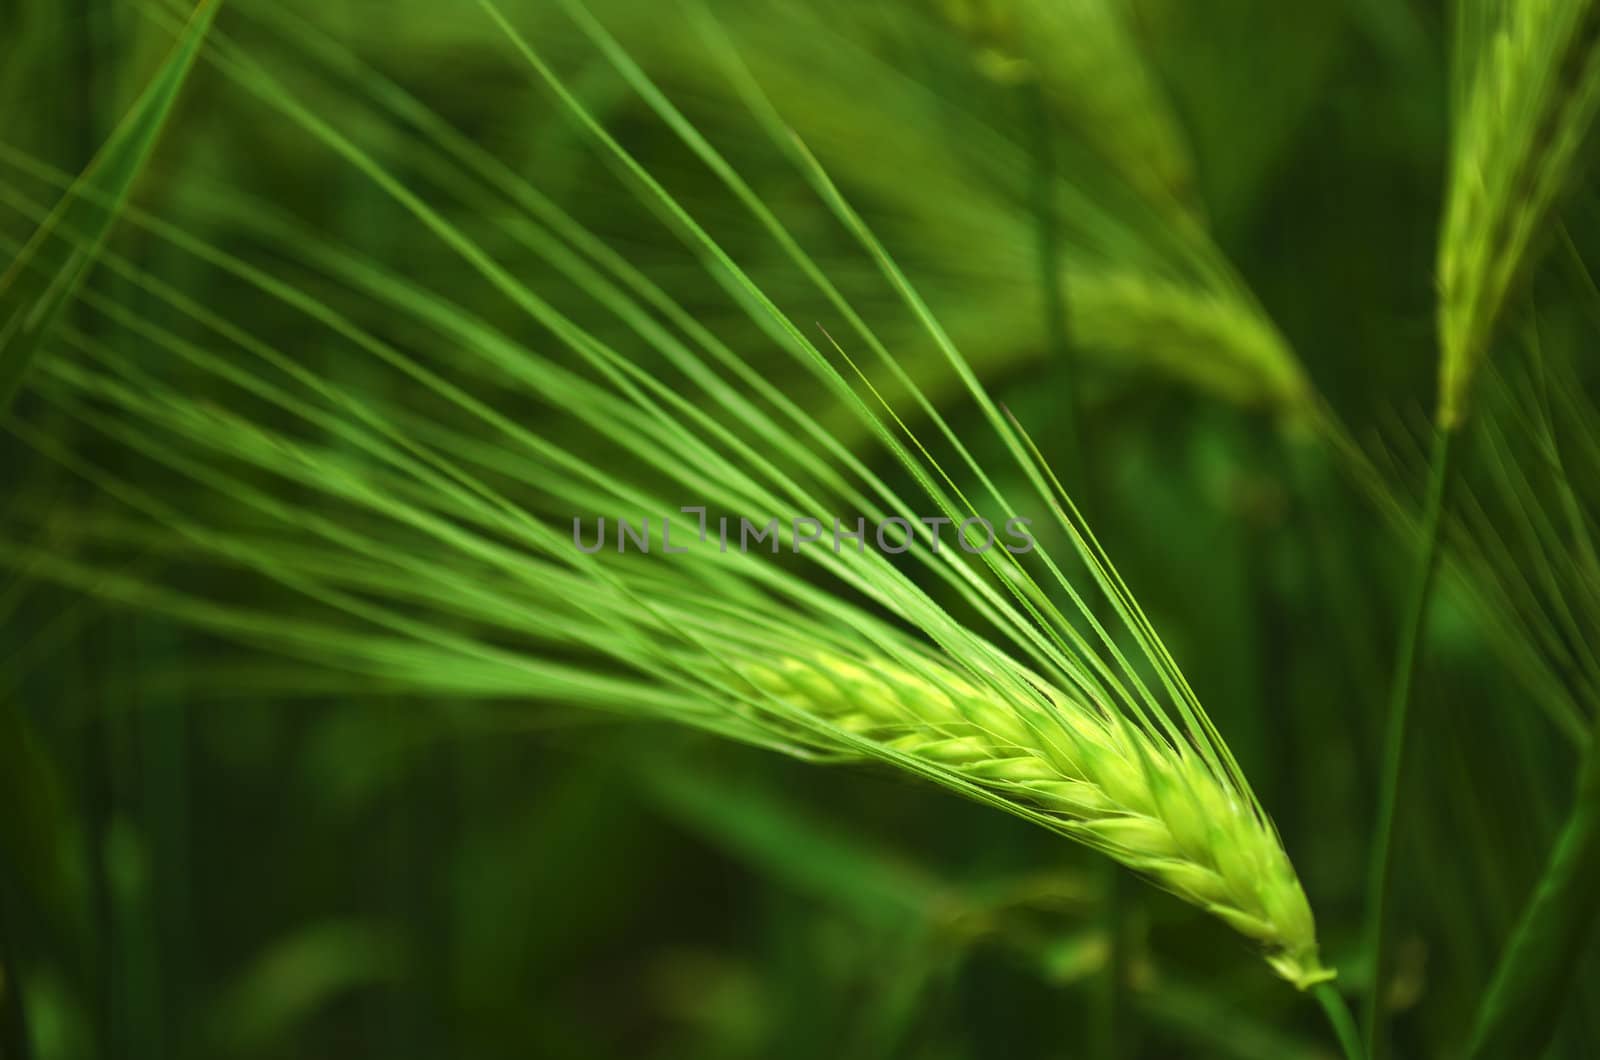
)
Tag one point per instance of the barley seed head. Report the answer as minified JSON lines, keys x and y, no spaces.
{"x":1527,"y":109}
{"x":1086,"y":770}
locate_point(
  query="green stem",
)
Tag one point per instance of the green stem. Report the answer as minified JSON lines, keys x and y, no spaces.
{"x":1110,"y":1030}
{"x":1339,"y":1018}
{"x":1397,"y":727}
{"x":1519,"y":1012}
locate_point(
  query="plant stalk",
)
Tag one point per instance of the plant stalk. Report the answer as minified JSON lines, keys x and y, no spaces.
{"x":1519,"y":1011}
{"x":1111,"y":993}
{"x":1397,"y":728}
{"x":1339,"y":1018}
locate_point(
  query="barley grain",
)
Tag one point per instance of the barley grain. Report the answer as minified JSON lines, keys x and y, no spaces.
{"x":1153,"y":807}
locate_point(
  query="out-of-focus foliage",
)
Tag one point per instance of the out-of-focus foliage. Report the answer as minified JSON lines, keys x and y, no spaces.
{"x":1210,"y":227}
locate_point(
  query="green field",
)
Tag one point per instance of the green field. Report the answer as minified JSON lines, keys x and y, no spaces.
{"x":866,"y":529}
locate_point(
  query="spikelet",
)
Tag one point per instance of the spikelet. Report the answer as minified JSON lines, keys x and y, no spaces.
{"x":1526,"y":113}
{"x":1157,"y":809}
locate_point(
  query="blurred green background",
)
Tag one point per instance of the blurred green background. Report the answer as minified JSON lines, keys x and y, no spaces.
{"x":211,"y":851}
